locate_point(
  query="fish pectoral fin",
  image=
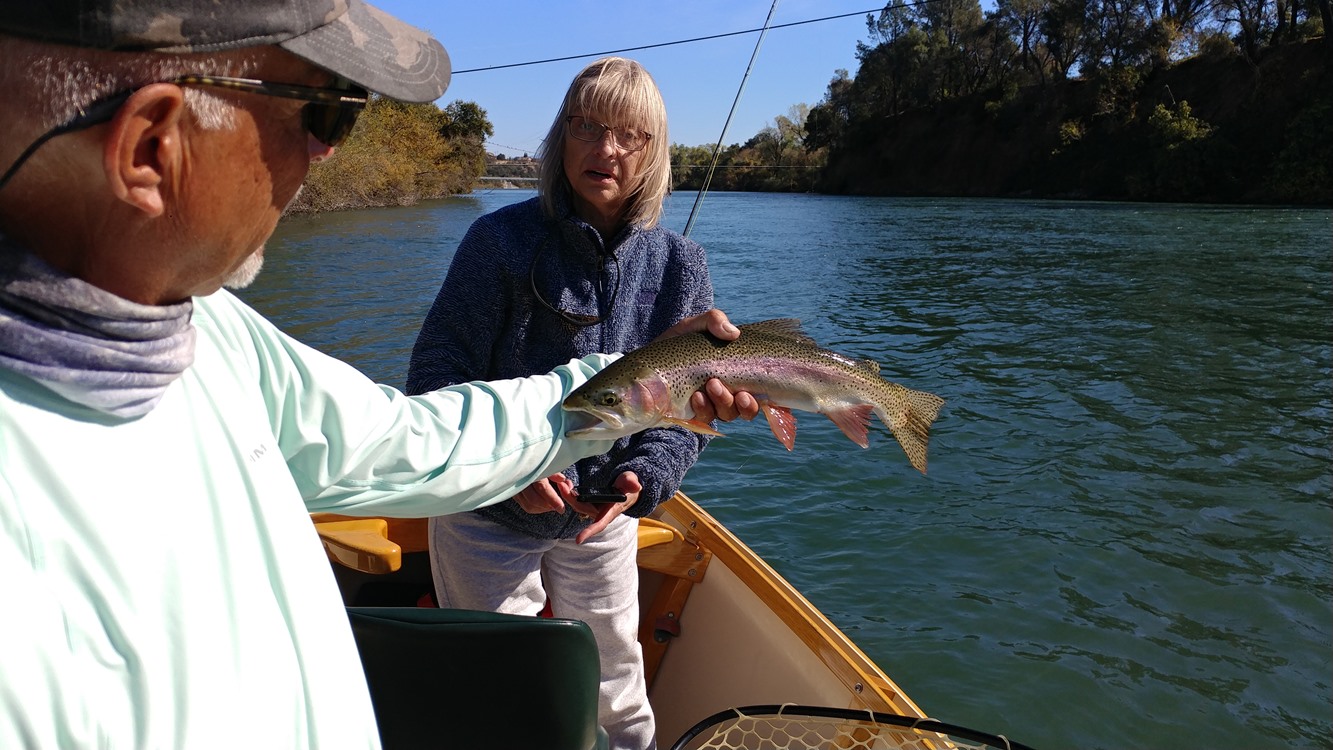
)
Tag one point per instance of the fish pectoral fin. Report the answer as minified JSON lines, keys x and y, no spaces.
{"x":854,"y":421}
{"x":781,"y":421}
{"x":693,"y":425}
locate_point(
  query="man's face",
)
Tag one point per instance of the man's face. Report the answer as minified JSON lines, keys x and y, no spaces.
{"x":239,"y":181}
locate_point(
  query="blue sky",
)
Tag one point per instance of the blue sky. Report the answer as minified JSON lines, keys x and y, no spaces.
{"x":698,"y":81}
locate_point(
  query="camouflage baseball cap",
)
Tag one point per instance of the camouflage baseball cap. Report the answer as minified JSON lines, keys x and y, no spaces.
{"x":348,"y":37}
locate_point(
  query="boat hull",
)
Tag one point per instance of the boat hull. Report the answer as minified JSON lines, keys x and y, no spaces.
{"x":746,"y":636}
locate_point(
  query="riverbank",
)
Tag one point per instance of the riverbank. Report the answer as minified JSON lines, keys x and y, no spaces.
{"x":1211,"y":129}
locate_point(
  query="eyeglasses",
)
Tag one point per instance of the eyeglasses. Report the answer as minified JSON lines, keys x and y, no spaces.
{"x":627,"y":139}
{"x":328,"y":117}
{"x":576,"y":319}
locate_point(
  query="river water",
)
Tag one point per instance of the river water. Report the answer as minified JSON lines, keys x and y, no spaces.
{"x":1124,"y":539}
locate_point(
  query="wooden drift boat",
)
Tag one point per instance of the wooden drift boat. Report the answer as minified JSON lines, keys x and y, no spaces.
{"x":720,"y":630}
{"x":742,"y":635}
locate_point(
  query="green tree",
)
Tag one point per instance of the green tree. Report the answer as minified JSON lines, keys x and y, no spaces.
{"x":989,"y":57}
{"x":1118,"y":35}
{"x":1021,"y":19}
{"x":1251,"y":21}
{"x":1064,"y":24}
{"x":397,"y":154}
{"x":466,"y":120}
{"x":1326,"y":19}
{"x":827,"y":121}
{"x":1303,"y":169}
{"x":894,"y":76}
{"x":1178,"y":157}
{"x":689,"y":164}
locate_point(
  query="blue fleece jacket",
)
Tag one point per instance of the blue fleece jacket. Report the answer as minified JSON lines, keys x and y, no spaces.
{"x":486,"y":324}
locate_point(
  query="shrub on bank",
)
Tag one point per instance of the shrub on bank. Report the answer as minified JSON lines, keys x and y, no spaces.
{"x":399,"y":154}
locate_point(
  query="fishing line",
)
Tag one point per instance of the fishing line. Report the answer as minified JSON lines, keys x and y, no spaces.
{"x":717,"y":149}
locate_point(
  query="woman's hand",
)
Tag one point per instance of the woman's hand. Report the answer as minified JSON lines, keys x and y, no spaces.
{"x":602,"y":514}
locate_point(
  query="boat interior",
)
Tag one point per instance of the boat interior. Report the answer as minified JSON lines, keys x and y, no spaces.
{"x":718,"y":627}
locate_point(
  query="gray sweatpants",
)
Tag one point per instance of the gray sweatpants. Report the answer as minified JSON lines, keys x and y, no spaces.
{"x":479,"y":564}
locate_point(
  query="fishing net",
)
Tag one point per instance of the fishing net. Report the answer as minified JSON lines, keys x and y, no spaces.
{"x":819,"y":728}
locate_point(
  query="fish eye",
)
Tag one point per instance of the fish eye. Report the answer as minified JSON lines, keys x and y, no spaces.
{"x":608,"y":399}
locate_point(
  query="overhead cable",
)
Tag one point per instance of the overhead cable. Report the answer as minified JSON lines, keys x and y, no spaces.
{"x":688,"y":41}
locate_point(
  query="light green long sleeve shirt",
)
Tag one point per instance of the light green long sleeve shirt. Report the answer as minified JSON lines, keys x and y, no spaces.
{"x":163,"y":584}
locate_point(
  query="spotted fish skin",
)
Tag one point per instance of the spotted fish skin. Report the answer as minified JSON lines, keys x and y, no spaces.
{"x":776,"y":362}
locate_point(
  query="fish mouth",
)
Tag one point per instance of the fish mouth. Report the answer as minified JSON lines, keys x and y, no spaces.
{"x":594,"y":425}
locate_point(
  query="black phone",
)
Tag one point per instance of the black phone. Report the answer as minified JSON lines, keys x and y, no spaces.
{"x":601,"y":496}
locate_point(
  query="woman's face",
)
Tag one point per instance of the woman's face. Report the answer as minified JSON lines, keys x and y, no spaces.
{"x":601,"y":172}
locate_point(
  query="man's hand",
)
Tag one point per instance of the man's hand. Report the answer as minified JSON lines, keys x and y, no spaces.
{"x":546,"y":495}
{"x":715,"y":400}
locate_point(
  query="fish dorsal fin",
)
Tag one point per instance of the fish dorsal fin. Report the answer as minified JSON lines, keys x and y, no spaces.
{"x":787,"y":328}
{"x":869,"y":365}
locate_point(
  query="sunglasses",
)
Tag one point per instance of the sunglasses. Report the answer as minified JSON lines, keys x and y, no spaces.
{"x":577,"y":320}
{"x":328,"y":117}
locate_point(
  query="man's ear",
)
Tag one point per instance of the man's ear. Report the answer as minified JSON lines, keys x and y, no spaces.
{"x":143,"y":150}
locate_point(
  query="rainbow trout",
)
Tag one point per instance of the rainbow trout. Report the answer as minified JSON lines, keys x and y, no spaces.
{"x":776,"y":362}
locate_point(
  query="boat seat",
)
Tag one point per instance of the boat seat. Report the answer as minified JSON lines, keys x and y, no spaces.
{"x":465,"y":679}
{"x":377,"y":545}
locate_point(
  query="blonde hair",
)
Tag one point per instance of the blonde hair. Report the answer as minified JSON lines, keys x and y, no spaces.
{"x":620,"y":92}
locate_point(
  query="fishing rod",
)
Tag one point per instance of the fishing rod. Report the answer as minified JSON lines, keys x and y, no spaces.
{"x":717,"y":148}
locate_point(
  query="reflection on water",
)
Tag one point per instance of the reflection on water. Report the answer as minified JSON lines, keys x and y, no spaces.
{"x":1124,"y":539}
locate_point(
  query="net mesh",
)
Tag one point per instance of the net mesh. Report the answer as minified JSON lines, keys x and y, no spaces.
{"x":792,"y":731}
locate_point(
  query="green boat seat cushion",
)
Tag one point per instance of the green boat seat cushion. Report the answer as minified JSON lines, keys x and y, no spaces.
{"x":459,"y":679}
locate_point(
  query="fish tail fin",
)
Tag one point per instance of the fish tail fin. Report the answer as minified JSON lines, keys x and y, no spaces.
{"x":910,"y":423}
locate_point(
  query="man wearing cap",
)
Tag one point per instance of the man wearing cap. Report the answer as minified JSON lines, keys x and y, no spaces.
{"x":161,"y":444}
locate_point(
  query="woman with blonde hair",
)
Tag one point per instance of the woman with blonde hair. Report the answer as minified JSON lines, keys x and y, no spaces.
{"x":583,"y":267}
